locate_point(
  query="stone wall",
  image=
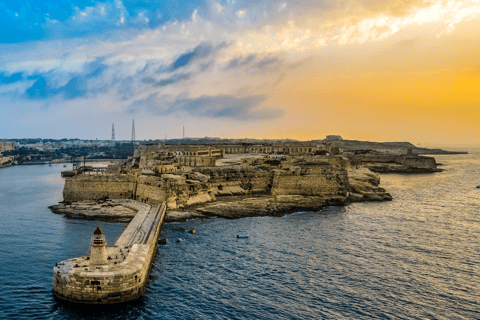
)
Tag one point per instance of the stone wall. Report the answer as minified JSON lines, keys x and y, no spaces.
{"x":245,"y":178}
{"x":94,"y":187}
{"x":328,"y":185}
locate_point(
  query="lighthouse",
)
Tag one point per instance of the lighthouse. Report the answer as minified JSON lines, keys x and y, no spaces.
{"x":98,"y":255}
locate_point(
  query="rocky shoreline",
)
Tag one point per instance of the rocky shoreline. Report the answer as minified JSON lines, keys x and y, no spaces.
{"x":103,"y":210}
{"x":228,"y":207}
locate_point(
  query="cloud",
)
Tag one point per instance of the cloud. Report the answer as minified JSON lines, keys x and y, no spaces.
{"x":241,"y":61}
{"x":11,"y":78}
{"x":201,"y":51}
{"x":220,"y":106}
{"x":46,"y":86}
{"x":173,"y":79}
{"x":253,"y":63}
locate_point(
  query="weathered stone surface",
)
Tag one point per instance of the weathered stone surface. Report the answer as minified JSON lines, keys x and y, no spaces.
{"x":99,"y":210}
{"x":364,"y":186}
{"x":181,"y":216}
{"x":391,"y":163}
{"x":267,"y":206}
{"x":199,"y":176}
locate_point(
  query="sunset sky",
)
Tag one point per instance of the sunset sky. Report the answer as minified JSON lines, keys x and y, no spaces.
{"x":380,"y":70}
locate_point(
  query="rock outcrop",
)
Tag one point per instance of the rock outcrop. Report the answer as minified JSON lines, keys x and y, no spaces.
{"x":364,"y":186}
{"x":387,"y":163}
{"x":96,"y":210}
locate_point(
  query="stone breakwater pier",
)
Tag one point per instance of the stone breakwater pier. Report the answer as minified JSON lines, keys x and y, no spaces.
{"x":113,"y":274}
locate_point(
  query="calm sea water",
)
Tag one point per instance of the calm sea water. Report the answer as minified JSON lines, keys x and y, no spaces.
{"x":416,"y":257}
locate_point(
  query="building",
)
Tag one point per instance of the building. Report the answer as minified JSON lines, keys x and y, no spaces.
{"x":333,"y":138}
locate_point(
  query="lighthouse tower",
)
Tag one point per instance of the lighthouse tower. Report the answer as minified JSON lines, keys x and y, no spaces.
{"x":98,"y":255}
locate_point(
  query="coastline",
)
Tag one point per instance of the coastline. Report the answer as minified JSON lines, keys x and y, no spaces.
{"x":227,"y":207}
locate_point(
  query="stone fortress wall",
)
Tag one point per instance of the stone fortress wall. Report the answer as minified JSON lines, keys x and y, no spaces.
{"x":94,"y":187}
{"x":326,"y":185}
{"x":219,"y":181}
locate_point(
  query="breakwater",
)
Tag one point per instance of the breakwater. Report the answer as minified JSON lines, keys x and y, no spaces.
{"x":113,"y":274}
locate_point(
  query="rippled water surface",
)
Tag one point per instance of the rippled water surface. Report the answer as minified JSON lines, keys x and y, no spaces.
{"x":416,"y":257}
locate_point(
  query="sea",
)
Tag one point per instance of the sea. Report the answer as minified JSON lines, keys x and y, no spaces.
{"x":416,"y":257}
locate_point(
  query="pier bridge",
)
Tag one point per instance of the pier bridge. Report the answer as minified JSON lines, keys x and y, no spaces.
{"x":108,"y":275}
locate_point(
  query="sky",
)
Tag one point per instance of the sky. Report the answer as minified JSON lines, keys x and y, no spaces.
{"x":378,"y":70}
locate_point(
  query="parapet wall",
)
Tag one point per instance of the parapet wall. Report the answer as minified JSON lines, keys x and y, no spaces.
{"x":94,"y":187}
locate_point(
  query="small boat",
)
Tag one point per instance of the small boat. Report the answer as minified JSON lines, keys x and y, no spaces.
{"x":478,"y":187}
{"x":242,"y":236}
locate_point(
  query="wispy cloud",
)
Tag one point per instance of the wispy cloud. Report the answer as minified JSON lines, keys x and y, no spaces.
{"x":221,"y":106}
{"x":46,"y":86}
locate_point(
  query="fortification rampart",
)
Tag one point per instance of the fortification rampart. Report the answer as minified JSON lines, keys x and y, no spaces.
{"x":327,"y":185}
{"x":94,"y":187}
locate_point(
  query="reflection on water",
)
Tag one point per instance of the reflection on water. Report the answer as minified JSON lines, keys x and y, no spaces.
{"x":413,"y":258}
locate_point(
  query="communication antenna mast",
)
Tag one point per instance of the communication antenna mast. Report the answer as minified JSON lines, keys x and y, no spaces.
{"x":133,"y":130}
{"x":113,"y":132}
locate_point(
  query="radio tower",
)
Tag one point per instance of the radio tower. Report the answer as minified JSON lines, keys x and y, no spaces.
{"x":113,"y":131}
{"x":133,"y":130}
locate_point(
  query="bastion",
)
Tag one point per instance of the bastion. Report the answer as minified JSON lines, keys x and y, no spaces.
{"x":115,"y":274}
